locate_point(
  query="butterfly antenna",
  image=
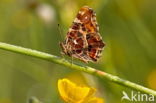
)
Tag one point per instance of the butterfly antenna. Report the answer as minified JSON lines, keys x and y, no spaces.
{"x":60,"y":31}
{"x":61,"y":35}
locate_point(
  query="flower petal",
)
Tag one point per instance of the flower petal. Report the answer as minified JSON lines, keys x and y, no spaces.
{"x":72,"y":93}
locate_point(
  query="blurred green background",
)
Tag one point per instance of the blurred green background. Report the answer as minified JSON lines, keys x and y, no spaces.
{"x":127,"y":26}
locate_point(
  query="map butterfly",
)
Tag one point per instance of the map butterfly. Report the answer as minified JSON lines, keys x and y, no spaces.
{"x":83,"y":40}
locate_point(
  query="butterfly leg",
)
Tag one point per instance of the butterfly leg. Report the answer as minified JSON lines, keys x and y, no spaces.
{"x":71,"y":60}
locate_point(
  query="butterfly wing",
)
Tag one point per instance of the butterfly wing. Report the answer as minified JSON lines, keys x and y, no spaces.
{"x":94,"y":44}
{"x":83,"y":40}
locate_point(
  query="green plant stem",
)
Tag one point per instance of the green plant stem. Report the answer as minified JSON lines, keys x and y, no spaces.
{"x":86,"y":69}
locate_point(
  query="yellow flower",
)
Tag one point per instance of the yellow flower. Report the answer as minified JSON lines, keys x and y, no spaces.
{"x":72,"y":93}
{"x":95,"y":100}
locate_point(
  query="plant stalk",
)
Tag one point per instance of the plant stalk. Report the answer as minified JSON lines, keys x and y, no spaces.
{"x":90,"y":70}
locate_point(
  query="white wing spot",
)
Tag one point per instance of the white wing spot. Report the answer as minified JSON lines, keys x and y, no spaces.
{"x":86,"y":17}
{"x":75,"y":42}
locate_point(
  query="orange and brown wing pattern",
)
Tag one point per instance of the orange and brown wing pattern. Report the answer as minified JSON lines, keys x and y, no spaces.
{"x":83,"y":40}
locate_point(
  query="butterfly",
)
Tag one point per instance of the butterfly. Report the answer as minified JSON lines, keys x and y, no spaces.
{"x":83,"y":40}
